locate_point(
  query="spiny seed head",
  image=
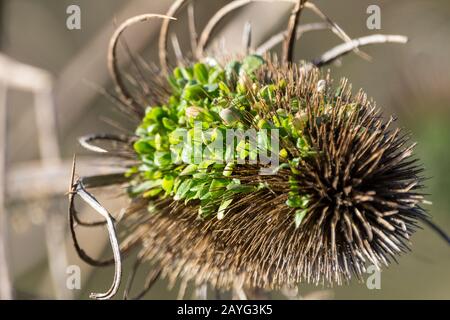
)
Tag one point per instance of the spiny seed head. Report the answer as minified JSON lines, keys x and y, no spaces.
{"x":345,"y":193}
{"x":348,"y":195}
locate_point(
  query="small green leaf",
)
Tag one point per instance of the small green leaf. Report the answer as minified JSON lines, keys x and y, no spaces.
{"x":205,"y":210}
{"x":159,"y":142}
{"x":177,"y":73}
{"x":224,"y":88}
{"x":205,"y":164}
{"x":193,"y":92}
{"x":163,"y":159}
{"x":183,"y":188}
{"x":189,"y":196}
{"x":232,"y":71}
{"x":223,"y":206}
{"x":211,"y":88}
{"x":167,"y":183}
{"x":305,"y":202}
{"x":197,"y":113}
{"x":262,"y":185}
{"x":215,"y":74}
{"x":143,"y":147}
{"x":204,"y":194}
{"x":201,"y":73}
{"x":236,"y":187}
{"x":218,"y":184}
{"x":152,"y":193}
{"x":294,"y":201}
{"x":230,"y":115}
{"x":177,"y":136}
{"x":169,"y":124}
{"x":189,"y":170}
{"x":228,"y":170}
{"x":154,"y":114}
{"x":186,"y":73}
{"x":299,"y":215}
{"x":130,"y":172}
{"x":199,"y":185}
{"x":252,"y":63}
{"x":144,"y":186}
{"x":187,"y":154}
{"x":263,"y":124}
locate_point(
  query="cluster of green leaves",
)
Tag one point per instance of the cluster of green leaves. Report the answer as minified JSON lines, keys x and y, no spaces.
{"x":215,"y":98}
{"x":290,"y":125}
{"x":297,"y":200}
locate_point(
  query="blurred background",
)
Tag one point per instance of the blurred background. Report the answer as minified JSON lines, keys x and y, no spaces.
{"x":50,"y":94}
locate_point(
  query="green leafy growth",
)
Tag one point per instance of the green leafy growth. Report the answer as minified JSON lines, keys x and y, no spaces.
{"x":216,"y":98}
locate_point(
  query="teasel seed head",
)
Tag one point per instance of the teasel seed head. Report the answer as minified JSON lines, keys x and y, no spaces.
{"x":348,"y":196}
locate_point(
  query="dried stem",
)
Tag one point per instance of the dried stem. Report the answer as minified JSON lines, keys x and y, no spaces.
{"x":220,"y":14}
{"x":279,"y":37}
{"x":205,"y":36}
{"x":247,"y":37}
{"x":85,"y":141}
{"x":192,"y":28}
{"x":81,"y":253}
{"x":104,"y":180}
{"x":288,"y":47}
{"x":176,"y":48}
{"x":336,"y":28}
{"x":124,"y":95}
{"x":164,"y":34}
{"x":141,"y":80}
{"x":96,"y":182}
{"x":347,"y":47}
{"x":77,"y":188}
{"x":212,"y":23}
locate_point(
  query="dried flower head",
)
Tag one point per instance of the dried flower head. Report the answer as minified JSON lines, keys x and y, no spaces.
{"x":345,"y":191}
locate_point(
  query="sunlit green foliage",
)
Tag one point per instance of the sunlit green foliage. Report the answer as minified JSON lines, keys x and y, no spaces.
{"x":206,"y":100}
